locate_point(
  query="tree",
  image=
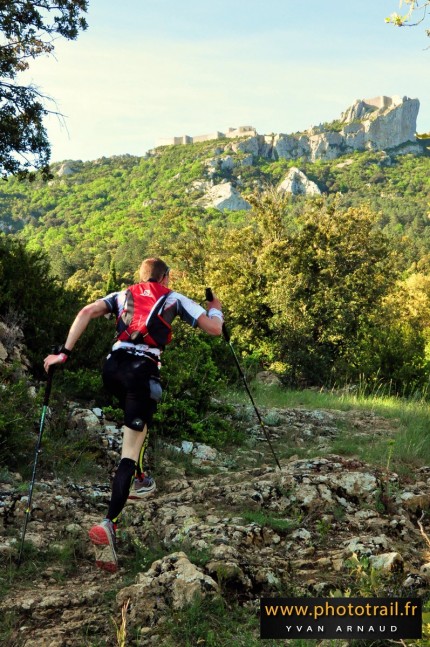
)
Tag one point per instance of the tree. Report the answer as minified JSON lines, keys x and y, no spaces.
{"x":32,"y":299}
{"x":415,"y":14}
{"x":28,"y":30}
{"x":325,"y":275}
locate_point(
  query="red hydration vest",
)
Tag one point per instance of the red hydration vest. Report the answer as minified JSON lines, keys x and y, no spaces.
{"x":140,"y":322}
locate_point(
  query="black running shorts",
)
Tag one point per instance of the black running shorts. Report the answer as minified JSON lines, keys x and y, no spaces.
{"x":127,"y":376}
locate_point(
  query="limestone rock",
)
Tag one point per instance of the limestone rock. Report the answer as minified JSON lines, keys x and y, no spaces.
{"x":187,"y":446}
{"x":12,"y":348}
{"x":291,"y":146}
{"x":326,"y":146}
{"x":256,"y":529}
{"x":84,"y":419}
{"x":3,"y":352}
{"x":425,"y":571}
{"x":393,"y":125}
{"x":65,"y":169}
{"x":170,"y":583}
{"x":298,"y":183}
{"x":358,"y":111}
{"x":381,"y":123}
{"x":387,"y":562}
{"x":227,"y":163}
{"x":269,"y":378}
{"x":250,"y":145}
{"x":225,"y":197}
{"x":204,"y":452}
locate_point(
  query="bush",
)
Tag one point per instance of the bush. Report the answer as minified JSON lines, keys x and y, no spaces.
{"x":191,"y":380}
{"x":80,"y":383}
{"x":18,"y":418}
{"x":41,"y":306}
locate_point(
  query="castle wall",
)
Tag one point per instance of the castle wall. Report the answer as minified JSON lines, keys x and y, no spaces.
{"x":210,"y":136}
{"x":242,"y":131}
{"x":173,"y":141}
{"x":384,"y":102}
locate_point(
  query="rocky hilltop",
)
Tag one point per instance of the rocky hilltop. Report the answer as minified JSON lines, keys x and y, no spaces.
{"x":381,"y":123}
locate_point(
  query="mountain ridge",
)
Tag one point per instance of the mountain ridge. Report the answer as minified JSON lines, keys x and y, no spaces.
{"x":368,"y":124}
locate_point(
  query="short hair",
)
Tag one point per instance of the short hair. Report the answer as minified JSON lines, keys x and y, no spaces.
{"x":153,"y":268}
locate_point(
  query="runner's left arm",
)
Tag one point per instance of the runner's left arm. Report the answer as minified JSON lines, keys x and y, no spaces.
{"x":193,"y":314}
{"x":212,"y":322}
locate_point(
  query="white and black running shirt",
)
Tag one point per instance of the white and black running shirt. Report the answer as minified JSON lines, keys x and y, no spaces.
{"x":176,"y":305}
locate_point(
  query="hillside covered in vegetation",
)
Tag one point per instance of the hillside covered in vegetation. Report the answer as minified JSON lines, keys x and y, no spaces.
{"x":324,"y":289}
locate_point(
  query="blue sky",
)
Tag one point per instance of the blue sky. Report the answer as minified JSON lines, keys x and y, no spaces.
{"x":147,"y":69}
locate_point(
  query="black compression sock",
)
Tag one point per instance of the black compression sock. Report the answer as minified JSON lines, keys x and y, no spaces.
{"x":121,"y":487}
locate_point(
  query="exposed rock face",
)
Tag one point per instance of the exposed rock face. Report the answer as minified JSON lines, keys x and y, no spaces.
{"x":369,"y":124}
{"x":386,"y":122}
{"x":382,"y":123}
{"x":225,"y":196}
{"x":12,"y":348}
{"x":298,"y":183}
{"x":65,"y":170}
{"x":170,"y":583}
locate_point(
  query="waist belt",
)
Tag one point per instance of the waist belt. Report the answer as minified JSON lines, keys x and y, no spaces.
{"x":138,"y":349}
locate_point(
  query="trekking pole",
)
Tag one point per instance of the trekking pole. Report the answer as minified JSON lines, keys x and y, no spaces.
{"x":36,"y":456}
{"x":226,"y":335}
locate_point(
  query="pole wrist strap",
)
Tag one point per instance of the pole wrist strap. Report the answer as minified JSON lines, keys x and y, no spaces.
{"x":214,"y":312}
{"x":64,"y":353}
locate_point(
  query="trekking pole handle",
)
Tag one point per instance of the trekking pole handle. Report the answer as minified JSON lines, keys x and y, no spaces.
{"x":54,"y":350}
{"x":210,"y":297}
{"x":48,"y":386}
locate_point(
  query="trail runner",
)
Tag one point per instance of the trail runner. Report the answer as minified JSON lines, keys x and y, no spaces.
{"x":131,"y":373}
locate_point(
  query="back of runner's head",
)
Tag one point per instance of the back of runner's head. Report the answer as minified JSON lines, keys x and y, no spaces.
{"x":153,"y":269}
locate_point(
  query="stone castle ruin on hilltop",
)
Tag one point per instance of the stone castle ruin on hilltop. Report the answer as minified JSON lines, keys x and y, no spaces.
{"x":232,"y":133}
{"x":380,"y":123}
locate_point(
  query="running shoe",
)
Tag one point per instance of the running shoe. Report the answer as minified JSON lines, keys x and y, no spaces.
{"x":103,"y":538}
{"x":142,"y":487}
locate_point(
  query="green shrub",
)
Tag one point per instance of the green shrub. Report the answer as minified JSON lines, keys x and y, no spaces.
{"x":191,"y":381}
{"x":18,"y":418}
{"x":80,"y":383}
{"x":31,"y":296}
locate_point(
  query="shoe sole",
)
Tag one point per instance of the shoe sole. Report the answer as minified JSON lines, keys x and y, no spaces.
{"x":104,"y":549}
{"x":141,"y":494}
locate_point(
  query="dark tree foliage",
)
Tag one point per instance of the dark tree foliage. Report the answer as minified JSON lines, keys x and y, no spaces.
{"x":32,"y":299}
{"x":28,"y":30}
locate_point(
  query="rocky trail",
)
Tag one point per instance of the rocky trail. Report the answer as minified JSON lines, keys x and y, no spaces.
{"x":220,"y":523}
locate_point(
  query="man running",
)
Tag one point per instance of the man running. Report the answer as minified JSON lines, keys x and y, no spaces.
{"x":144,"y":313}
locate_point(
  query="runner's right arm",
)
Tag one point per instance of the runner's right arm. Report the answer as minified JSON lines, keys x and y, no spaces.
{"x":84,"y":316}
